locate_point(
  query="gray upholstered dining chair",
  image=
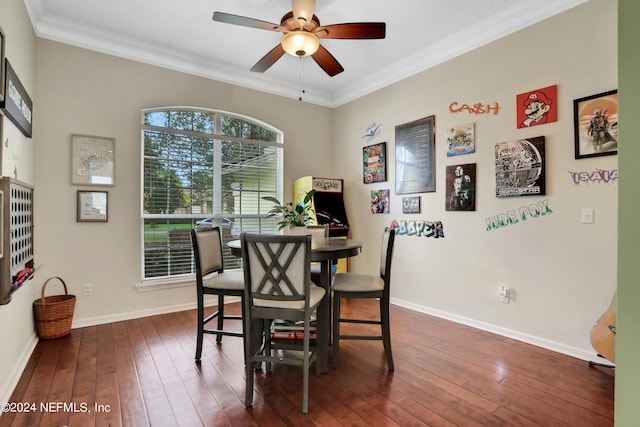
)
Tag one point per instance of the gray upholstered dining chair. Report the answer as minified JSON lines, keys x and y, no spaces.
{"x":211,"y":279}
{"x":278,"y":286}
{"x":354,"y":285}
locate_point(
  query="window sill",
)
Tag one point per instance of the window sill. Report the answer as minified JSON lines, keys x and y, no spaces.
{"x":159,"y":284}
{"x":165,"y":283}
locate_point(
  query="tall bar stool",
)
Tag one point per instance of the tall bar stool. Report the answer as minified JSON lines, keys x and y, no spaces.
{"x":353,"y":285}
{"x":211,"y":279}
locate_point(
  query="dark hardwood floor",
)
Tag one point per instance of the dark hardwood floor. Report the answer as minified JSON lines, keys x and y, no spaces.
{"x":141,"y":372}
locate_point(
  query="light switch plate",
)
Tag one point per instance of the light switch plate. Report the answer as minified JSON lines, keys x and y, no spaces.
{"x":587,"y":215}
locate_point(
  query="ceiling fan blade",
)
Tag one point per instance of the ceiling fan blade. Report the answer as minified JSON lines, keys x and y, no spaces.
{"x":356,"y":30}
{"x":228,"y":18}
{"x":268,"y":60}
{"x":303,"y":11}
{"x":327,"y":62}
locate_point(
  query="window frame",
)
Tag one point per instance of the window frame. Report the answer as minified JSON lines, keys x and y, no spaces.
{"x":218,"y":139}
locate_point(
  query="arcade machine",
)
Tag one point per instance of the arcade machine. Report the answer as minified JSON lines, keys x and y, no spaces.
{"x":328,"y":201}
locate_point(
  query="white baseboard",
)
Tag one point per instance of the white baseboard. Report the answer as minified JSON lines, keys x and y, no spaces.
{"x":529,"y":339}
{"x":118,"y":317}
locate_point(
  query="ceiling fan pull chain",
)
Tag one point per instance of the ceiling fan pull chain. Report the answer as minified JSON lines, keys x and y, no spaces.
{"x":301,"y":79}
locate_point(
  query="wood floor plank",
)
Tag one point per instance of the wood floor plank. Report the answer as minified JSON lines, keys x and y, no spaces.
{"x":39,"y":385}
{"x":84,"y":386}
{"x":64,"y":377}
{"x":130,"y":398}
{"x":106,"y":412}
{"x":156,"y":401}
{"x":447,"y":374}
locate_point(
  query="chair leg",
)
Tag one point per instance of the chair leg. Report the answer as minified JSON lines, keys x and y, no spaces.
{"x":200,"y":332}
{"x":220,"y":317}
{"x":305,"y":376}
{"x":336,"y":330}
{"x":386,"y":331}
{"x":321,"y":349}
{"x":266,"y":333}
{"x":248,"y":362}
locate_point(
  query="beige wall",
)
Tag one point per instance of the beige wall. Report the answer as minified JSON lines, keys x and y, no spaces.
{"x":562,"y":273}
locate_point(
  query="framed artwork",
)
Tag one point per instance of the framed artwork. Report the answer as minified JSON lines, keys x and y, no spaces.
{"x":92,"y":160}
{"x":411,"y":205}
{"x":374,"y":163}
{"x":537,"y":107}
{"x":415,"y":156}
{"x":595,"y":120}
{"x":2,"y":69}
{"x":461,"y":187}
{"x":380,"y":201}
{"x":520,"y":168}
{"x":461,"y":140}
{"x":92,"y":206}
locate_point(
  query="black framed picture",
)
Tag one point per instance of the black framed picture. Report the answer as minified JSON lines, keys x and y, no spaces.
{"x":374,"y":163}
{"x":92,"y":206}
{"x":520,"y":168}
{"x":461,"y":187}
{"x":595,"y":120}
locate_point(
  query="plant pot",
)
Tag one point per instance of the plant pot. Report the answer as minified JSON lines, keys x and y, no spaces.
{"x":297,"y":230}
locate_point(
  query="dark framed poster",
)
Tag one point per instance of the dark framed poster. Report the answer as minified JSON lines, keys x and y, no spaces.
{"x":415,"y":156}
{"x":374,"y":163}
{"x":92,"y":206}
{"x":595,"y":120}
{"x":461,"y":187}
{"x":520,"y":168}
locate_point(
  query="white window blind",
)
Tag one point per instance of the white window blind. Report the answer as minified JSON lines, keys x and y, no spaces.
{"x":203,"y":168}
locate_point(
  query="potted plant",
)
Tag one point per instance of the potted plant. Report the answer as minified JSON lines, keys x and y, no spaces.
{"x":291,"y":215}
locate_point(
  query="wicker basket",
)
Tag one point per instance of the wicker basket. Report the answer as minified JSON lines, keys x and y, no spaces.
{"x":54,"y":313}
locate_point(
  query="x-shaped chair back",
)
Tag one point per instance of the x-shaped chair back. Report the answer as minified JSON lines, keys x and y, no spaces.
{"x":278,"y":266}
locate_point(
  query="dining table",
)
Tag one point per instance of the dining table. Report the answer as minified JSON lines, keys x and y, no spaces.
{"x":324,"y":251}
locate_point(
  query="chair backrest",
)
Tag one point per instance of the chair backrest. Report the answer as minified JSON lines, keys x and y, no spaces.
{"x":207,"y":250}
{"x":386,"y":254}
{"x":318,"y":231}
{"x":277,"y":267}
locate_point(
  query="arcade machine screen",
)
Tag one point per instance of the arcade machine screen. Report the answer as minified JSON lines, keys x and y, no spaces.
{"x":331,"y":210}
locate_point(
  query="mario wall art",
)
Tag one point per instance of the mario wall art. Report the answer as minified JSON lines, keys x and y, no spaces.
{"x":536,"y":107}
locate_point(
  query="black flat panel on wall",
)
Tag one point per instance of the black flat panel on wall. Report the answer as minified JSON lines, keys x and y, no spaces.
{"x":17,"y":104}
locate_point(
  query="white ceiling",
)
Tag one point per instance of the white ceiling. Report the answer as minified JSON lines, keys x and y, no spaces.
{"x":181,"y":35}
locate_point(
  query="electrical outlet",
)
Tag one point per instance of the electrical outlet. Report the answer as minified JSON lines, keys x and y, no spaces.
{"x":88,"y":289}
{"x":504,"y":295}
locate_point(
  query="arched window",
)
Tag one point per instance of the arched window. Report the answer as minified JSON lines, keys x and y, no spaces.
{"x":202,"y":168}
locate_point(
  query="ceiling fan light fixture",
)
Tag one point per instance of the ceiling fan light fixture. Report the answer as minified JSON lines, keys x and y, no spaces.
{"x":300,"y":43}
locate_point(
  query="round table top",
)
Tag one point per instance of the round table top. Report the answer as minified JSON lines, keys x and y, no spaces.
{"x":321,"y":249}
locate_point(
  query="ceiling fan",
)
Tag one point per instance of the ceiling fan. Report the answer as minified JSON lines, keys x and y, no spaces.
{"x":302,"y":33}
